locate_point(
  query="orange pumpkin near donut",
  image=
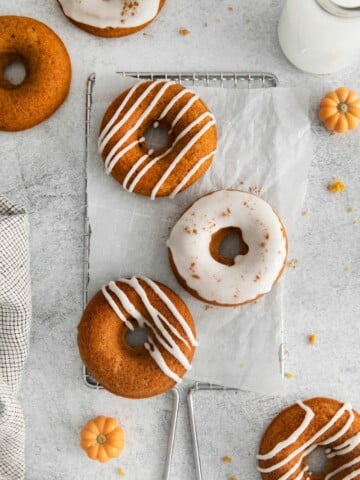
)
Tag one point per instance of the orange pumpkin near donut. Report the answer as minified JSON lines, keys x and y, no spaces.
{"x":48,"y":72}
{"x":340,"y":110}
{"x":102,"y":439}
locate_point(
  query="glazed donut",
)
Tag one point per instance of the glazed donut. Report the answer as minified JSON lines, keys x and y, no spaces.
{"x":191,"y":133}
{"x":140,"y":371}
{"x":301,"y":428}
{"x":48,"y":73}
{"x":112,"y":18}
{"x":200,"y":267}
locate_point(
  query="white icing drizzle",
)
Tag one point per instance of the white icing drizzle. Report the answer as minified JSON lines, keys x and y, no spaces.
{"x":352,"y":475}
{"x":121,"y":153}
{"x":342,"y":431}
{"x":252,"y":274}
{"x":140,"y":120}
{"x":170,"y":105}
{"x":310,"y":445}
{"x":182,"y":112}
{"x":342,"y":468}
{"x":111,"y":13}
{"x":301,"y":474}
{"x":309,"y":415}
{"x":345,"y":447}
{"x":180,"y":156}
{"x":113,"y":126}
{"x":190,"y":173}
{"x":160,"y":327}
{"x":102,"y":140}
{"x":310,"y":442}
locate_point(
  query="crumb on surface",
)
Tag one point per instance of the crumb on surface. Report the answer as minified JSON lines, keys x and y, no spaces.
{"x":312,"y":339}
{"x":347,"y":268}
{"x":305,"y":213}
{"x":289,"y":375}
{"x":184,"y":31}
{"x":206,"y":24}
{"x":218,"y":20}
{"x":195,"y":276}
{"x":230,"y":8}
{"x":242,"y":365}
{"x":292,"y":263}
{"x":355,"y":222}
{"x":226,"y":459}
{"x":336,"y":186}
{"x":247,"y":20}
{"x":121,"y":472}
{"x":232,"y":478}
{"x":350,"y":210}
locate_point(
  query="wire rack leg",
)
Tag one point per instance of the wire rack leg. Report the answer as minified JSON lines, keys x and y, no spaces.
{"x":194,"y":437}
{"x":172,"y":432}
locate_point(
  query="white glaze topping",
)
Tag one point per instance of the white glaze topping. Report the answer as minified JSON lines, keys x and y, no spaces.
{"x":310,"y":445}
{"x":309,"y":415}
{"x":252,"y":274}
{"x":146,"y":161}
{"x":111,"y":13}
{"x":161,"y":331}
{"x":345,"y":447}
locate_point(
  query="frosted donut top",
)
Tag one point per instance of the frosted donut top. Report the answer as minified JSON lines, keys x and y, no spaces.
{"x":111,"y":13}
{"x":252,"y":274}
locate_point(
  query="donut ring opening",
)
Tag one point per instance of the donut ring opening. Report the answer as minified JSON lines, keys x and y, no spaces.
{"x":221,"y":249}
{"x":137,"y":337}
{"x":9,"y":61}
{"x":157,"y":137}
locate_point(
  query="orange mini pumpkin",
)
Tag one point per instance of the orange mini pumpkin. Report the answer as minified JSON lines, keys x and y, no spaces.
{"x":102,"y":439}
{"x":340,"y":110}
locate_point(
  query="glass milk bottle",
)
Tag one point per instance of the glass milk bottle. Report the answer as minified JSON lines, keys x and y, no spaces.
{"x":320,"y":36}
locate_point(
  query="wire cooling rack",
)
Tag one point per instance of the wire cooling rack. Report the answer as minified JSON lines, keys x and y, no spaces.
{"x":241,"y":80}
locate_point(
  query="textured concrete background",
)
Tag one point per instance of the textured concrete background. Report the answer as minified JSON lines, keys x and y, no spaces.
{"x":45,"y":165}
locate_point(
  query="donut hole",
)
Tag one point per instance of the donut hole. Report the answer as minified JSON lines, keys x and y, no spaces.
{"x":317,"y":461}
{"x":157,"y":138}
{"x":137,"y":337}
{"x":226,"y":244}
{"x":13,"y":72}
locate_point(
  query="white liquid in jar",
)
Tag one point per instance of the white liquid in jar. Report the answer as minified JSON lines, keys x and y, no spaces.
{"x":316,"y":41}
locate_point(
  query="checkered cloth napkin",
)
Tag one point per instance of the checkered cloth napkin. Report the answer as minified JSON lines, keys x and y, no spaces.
{"x":15,"y":316}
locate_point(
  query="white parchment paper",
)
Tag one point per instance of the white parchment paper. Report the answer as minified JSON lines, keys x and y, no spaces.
{"x":264,"y":147}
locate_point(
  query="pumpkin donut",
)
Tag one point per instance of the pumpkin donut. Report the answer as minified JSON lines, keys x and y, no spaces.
{"x":301,"y":428}
{"x":194,"y":248}
{"x":113,"y":18}
{"x":137,"y":371}
{"x":48,"y":72}
{"x":192,"y":138}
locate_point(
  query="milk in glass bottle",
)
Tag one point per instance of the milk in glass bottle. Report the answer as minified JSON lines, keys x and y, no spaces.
{"x":320,"y":36}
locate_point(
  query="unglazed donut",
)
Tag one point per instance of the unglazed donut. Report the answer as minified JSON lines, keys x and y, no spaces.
{"x":111,"y":18}
{"x":192,"y":138}
{"x":194,"y":244}
{"x":48,"y":72}
{"x":301,"y":428}
{"x":141,"y":371}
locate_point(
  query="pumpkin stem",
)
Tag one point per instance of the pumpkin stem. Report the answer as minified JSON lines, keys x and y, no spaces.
{"x":342,"y":107}
{"x":101,"y":439}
